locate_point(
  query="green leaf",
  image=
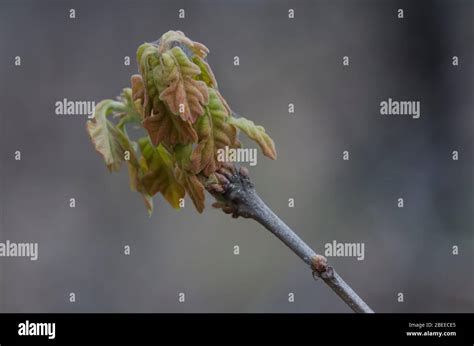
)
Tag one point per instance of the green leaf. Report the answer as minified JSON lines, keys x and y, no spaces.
{"x":182,"y":155}
{"x":105,"y":136}
{"x":148,"y":59}
{"x":206,"y":75}
{"x":133,"y":110}
{"x":257,"y":133}
{"x":136,"y":169}
{"x":159,"y":173}
{"x":214,"y":133}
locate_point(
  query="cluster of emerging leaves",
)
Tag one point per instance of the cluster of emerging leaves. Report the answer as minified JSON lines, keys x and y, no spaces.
{"x":176,"y":100}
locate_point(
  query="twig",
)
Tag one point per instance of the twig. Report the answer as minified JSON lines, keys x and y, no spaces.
{"x":237,"y":196}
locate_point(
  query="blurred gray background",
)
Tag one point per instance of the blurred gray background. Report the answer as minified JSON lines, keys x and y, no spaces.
{"x":281,"y":61}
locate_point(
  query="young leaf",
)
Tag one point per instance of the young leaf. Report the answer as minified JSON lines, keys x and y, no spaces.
{"x":133,"y":163}
{"x":159,"y":174}
{"x":193,"y":187}
{"x":182,"y":155}
{"x":136,"y":169}
{"x":170,"y":38}
{"x":147,"y":57}
{"x":214,"y":134}
{"x":257,"y":133}
{"x":165,"y":127}
{"x":105,"y":136}
{"x":174,"y":78}
{"x":206,"y":75}
{"x":148,"y":200}
{"x":132,"y":109}
{"x":138,"y":88}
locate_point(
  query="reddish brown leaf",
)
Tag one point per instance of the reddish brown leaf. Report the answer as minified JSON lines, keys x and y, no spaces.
{"x":165,"y":127}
